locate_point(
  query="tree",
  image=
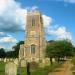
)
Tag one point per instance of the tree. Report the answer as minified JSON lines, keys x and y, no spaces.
{"x":59,"y":49}
{"x":50,"y":50}
{"x":74,"y":51}
{"x":64,"y":49}
{"x":2,"y":53}
{"x":10,"y":54}
{"x":17,"y":47}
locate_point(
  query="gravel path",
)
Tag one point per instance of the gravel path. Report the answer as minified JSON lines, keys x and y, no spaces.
{"x":65,"y":69}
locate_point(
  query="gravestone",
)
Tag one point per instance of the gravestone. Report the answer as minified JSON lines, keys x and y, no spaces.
{"x":53,"y":60}
{"x":10,"y":68}
{"x":11,"y":59}
{"x":5,"y":60}
{"x":47,"y":61}
{"x":16,"y":61}
{"x":0,"y":59}
{"x":23,"y":63}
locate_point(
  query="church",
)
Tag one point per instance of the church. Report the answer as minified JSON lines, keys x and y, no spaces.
{"x":34,"y":45}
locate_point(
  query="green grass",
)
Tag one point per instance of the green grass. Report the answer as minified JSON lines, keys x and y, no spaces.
{"x":39,"y":71}
{"x":45,"y":70}
{"x":73,"y":68}
{"x":21,"y":71}
{"x":2,"y":68}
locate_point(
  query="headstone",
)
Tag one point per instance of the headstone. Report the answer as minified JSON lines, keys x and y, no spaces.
{"x":0,"y":59}
{"x":47,"y":61}
{"x":53,"y":60}
{"x":16,"y":61}
{"x":5,"y":60}
{"x":11,"y":59}
{"x":10,"y":68}
{"x":23,"y":63}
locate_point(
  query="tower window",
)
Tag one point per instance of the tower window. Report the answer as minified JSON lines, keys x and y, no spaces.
{"x":32,"y":49}
{"x":33,"y":21}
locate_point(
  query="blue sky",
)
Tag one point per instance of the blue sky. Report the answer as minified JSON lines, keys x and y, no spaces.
{"x":58,"y":17}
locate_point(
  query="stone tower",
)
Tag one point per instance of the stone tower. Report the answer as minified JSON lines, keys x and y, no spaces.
{"x":34,"y":41}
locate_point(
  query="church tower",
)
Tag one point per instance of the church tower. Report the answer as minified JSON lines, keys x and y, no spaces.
{"x":34,"y":38}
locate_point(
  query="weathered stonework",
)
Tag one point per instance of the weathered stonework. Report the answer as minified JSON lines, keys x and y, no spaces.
{"x":33,"y":49}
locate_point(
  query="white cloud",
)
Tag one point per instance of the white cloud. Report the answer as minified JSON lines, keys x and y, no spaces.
{"x":1,"y":33}
{"x":8,"y":39}
{"x":12,"y":16}
{"x":60,"y":33}
{"x":1,"y":46}
{"x":13,"y":19}
{"x":46,"y":21}
{"x":32,"y":8}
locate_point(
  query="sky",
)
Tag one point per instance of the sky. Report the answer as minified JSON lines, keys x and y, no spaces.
{"x":58,"y":20}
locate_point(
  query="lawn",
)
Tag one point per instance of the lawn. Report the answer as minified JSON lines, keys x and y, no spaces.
{"x":2,"y":68}
{"x":38,"y":71}
{"x":73,"y":68}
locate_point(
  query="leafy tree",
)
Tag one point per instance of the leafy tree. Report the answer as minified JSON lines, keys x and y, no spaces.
{"x":74,"y":51}
{"x":10,"y":54}
{"x":50,"y":50}
{"x":17,"y":47}
{"x":64,"y":49}
{"x":2,"y":53}
{"x":59,"y":49}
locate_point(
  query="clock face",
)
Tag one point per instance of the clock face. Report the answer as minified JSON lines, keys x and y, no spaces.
{"x":32,"y":33}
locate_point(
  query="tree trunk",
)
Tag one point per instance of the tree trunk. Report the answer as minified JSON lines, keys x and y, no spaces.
{"x":51,"y":60}
{"x":58,"y":59}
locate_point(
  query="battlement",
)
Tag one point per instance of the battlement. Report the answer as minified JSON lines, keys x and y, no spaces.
{"x":33,"y":12}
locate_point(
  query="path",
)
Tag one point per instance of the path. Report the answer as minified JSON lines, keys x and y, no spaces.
{"x":65,"y":69}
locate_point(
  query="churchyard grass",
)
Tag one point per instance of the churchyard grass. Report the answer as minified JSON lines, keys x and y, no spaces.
{"x":73,"y":68}
{"x":21,"y":71}
{"x":38,"y":71}
{"x":45,"y":70}
{"x":2,"y":68}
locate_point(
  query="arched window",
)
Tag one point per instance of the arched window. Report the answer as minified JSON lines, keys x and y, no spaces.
{"x":32,"y":49}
